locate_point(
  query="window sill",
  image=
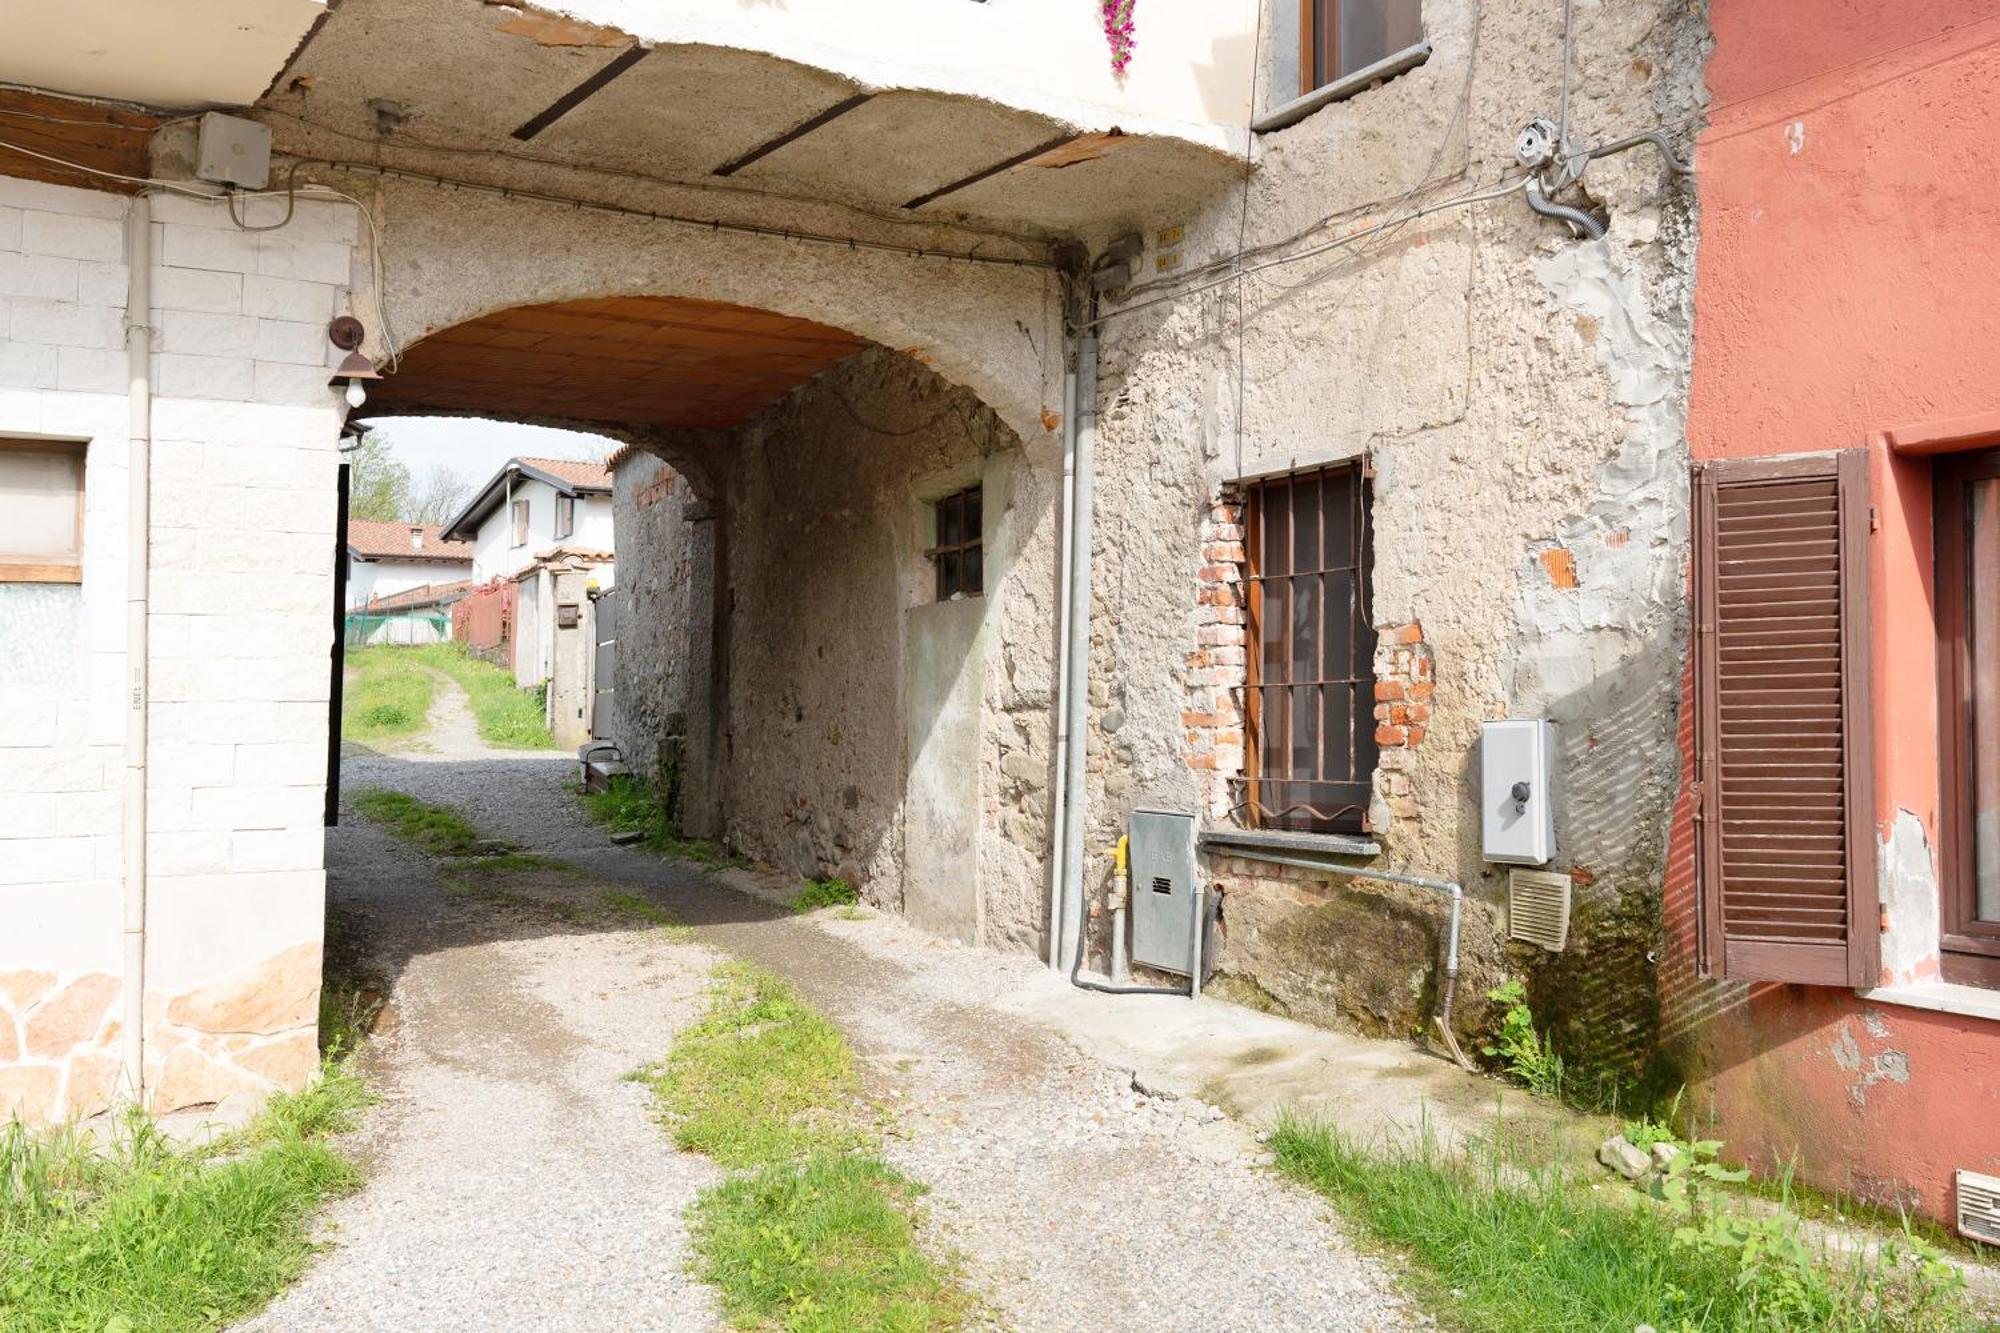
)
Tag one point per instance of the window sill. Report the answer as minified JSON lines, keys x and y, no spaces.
{"x":1296,"y":110}
{"x":1941,"y":996}
{"x":1278,"y":840}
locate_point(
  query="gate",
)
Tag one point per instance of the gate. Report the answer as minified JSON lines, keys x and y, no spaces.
{"x":603,"y":700}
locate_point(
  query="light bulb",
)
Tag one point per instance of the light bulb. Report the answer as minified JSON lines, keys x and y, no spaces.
{"x":356,"y":395}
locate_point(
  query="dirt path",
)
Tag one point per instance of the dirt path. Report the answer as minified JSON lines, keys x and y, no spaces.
{"x":516,"y":1181}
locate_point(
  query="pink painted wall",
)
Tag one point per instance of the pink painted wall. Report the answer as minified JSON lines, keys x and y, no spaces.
{"x":1848,"y":284}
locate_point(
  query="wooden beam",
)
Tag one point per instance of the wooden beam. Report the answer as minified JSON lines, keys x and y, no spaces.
{"x":86,"y":133}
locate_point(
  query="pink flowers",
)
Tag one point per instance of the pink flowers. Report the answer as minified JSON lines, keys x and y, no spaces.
{"x":1118,"y":32}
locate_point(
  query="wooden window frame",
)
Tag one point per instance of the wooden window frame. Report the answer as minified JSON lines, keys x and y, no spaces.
{"x":565,"y":516}
{"x":970,"y":506}
{"x":50,"y":566}
{"x":1319,"y":45}
{"x":1363,"y":753}
{"x":1854,"y":961}
{"x":519,"y":517}
{"x":1969,"y":948}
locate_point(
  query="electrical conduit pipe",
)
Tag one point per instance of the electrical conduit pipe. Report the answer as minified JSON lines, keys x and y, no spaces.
{"x":1058,"y":803}
{"x":1076,"y":652}
{"x":138,"y":566}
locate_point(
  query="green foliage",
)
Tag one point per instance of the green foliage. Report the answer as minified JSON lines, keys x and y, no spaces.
{"x":509,"y":717}
{"x":827,"y":891}
{"x":378,"y":485}
{"x":814,"y":1232}
{"x":144,"y":1235}
{"x":1521,"y":1050}
{"x":1507,"y":1245}
{"x":435,"y":828}
{"x":387,"y":696}
{"x":632,"y":805}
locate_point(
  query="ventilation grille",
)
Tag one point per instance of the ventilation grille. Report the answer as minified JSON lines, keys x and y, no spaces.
{"x":1538,"y":908}
{"x":1979,"y":1207}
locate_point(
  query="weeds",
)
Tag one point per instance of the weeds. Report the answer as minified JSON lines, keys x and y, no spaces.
{"x":632,"y":905}
{"x":813,"y":1233}
{"x":509,"y":717}
{"x":144,"y":1235}
{"x":1521,"y":1050}
{"x":631,"y":805}
{"x":435,"y":828}
{"x":1506,"y":1249}
{"x":389,"y":696}
{"x":828,"y":891}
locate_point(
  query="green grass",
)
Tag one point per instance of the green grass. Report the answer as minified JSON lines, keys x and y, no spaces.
{"x":631,"y":905}
{"x":1498,"y":1248}
{"x":813,"y":1232}
{"x":630,"y":805}
{"x":388,"y":697}
{"x":147,"y":1236}
{"x":436,"y":828}
{"x":830,"y":891}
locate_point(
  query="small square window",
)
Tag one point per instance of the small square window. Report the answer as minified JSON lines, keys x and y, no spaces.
{"x":957,"y":556}
{"x":520,"y":522}
{"x":41,"y":512}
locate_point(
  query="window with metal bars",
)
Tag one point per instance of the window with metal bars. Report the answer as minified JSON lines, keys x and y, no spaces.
{"x":958,"y":556}
{"x":1310,"y":716}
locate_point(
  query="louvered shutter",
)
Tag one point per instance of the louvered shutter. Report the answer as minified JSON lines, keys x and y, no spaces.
{"x":1782,"y":736}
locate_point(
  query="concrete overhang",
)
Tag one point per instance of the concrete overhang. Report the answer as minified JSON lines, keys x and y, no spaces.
{"x":925,"y":110}
{"x":168,"y":54}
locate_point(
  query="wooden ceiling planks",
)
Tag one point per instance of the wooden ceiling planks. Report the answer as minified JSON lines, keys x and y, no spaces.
{"x":87,"y":133}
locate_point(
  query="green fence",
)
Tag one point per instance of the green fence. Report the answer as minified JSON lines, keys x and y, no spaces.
{"x":403,"y":629}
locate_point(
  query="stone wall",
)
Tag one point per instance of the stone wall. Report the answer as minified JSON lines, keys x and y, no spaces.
{"x":244,"y":431}
{"x":664,"y":571}
{"x":1519,"y":396}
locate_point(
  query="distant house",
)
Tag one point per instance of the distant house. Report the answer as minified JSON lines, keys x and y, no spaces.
{"x":542,"y":544}
{"x":384,"y":559}
{"x":530,"y":507}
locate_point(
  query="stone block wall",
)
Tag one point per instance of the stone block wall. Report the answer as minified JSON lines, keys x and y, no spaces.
{"x":244,"y":430}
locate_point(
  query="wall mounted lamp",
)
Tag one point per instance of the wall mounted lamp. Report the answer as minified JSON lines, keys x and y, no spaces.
{"x":355,"y":369}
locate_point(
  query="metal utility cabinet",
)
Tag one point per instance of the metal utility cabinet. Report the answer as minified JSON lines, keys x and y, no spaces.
{"x":1517,"y":809}
{"x":1165,"y":890}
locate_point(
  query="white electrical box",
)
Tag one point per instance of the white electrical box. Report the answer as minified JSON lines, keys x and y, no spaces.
{"x":1517,"y":814}
{"x":233,"y":151}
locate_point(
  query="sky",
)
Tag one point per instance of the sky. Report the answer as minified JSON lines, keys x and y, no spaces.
{"x":475,"y":449}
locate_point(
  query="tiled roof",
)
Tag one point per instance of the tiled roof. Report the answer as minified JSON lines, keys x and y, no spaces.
{"x":375,"y":540}
{"x":587,"y":476}
{"x":429,"y":594}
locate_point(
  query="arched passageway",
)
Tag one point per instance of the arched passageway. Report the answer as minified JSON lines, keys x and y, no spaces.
{"x":833,"y":570}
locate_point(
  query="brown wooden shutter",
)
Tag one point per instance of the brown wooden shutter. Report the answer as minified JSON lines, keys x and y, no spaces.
{"x":1783,"y":747}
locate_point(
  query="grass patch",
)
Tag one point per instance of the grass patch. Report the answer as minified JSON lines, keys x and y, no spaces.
{"x":1505,"y":1249}
{"x":508,"y":716}
{"x":388,"y":696}
{"x":829,"y":891}
{"x":435,"y":828}
{"x":631,"y":805}
{"x":147,"y":1236}
{"x":620,"y":903}
{"x":814,"y":1232}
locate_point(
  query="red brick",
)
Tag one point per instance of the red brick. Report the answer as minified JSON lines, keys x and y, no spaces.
{"x":1419,"y":712}
{"x":1410,"y":633}
{"x":1581,"y":875}
{"x":1204,"y":761}
{"x":1422,"y":689}
{"x":1220,"y":574}
{"x":1416,"y":736}
{"x":1390,"y":735}
{"x":1389,"y":689}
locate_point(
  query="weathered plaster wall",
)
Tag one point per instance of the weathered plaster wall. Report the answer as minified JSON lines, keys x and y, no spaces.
{"x":664,"y":599}
{"x":1867,"y":319}
{"x":827,"y":502}
{"x":244,"y":433}
{"x":1520,"y":396}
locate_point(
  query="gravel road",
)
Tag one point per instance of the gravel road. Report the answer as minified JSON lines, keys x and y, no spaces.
{"x":515,"y":1181}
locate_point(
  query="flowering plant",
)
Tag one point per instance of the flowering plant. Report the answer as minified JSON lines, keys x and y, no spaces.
{"x":1117,"y":15}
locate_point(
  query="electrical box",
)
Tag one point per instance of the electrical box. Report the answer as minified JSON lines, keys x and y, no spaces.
{"x":233,"y":151}
{"x":1517,"y":812}
{"x":1165,"y":877}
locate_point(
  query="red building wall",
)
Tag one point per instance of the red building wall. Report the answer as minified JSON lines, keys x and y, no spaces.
{"x":1848,"y":288}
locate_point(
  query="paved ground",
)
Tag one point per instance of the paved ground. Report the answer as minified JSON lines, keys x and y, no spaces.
{"x":515,"y":1181}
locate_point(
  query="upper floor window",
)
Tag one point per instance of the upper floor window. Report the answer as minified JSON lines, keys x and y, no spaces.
{"x":958,"y":555}
{"x":1311,"y":716}
{"x":1966,"y":494}
{"x":41,"y":512}
{"x":565,"y":516}
{"x":1338,"y":37}
{"x":520,"y":522}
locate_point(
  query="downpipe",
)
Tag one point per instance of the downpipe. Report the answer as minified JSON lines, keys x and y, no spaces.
{"x":1059,"y":788}
{"x":1442,"y":1019}
{"x":138,"y":569}
{"x":1076,"y":651}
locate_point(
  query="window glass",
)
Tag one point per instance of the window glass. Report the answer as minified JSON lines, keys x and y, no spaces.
{"x":1982,"y":547}
{"x":1342,"y":36}
{"x":956,"y":555}
{"x":41,"y":512}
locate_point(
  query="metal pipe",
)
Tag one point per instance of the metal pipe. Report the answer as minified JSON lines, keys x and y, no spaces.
{"x":138,"y":567}
{"x":1076,"y":633}
{"x":1058,"y":796}
{"x":1456,"y":890}
{"x":1657,"y":138}
{"x":1576,"y":217}
{"x":1121,"y":894}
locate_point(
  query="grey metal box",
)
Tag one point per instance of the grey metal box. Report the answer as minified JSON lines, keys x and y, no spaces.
{"x":1164,"y":883}
{"x":234,"y":151}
